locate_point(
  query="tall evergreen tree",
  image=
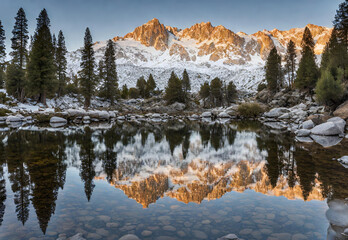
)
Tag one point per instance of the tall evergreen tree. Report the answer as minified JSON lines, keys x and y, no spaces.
{"x":150,"y":85}
{"x":110,"y":88}
{"x":15,"y":81}
{"x":2,"y":55}
{"x":41,"y":70}
{"x":341,"y":22}
{"x":61,"y":63}
{"x":124,"y":92}
{"x":231,"y":92}
{"x":273,"y":71}
{"x":290,"y":59}
{"x":186,"y":84}
{"x":141,"y":86}
{"x":307,"y":73}
{"x":204,"y":92}
{"x":216,"y":92}
{"x":174,"y":91}
{"x":87,"y":74}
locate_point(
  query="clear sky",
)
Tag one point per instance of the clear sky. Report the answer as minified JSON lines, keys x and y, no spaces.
{"x":110,"y":18}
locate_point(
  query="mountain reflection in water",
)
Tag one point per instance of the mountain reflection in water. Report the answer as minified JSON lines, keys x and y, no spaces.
{"x":184,"y":161}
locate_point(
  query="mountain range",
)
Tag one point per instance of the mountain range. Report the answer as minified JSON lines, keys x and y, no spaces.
{"x":206,"y":51}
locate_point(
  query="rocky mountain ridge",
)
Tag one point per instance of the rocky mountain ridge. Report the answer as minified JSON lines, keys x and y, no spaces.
{"x":206,"y":51}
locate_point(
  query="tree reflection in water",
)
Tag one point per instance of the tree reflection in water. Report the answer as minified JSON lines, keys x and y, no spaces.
{"x":187,"y":161}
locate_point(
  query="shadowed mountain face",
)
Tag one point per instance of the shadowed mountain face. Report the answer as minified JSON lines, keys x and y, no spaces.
{"x":189,"y":163}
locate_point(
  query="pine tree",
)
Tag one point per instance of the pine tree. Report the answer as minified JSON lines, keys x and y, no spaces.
{"x":216,"y":92}
{"x":15,"y":81}
{"x":231,"y":92}
{"x":124,"y":92}
{"x":87,"y":74}
{"x":61,"y":63}
{"x":54,"y":43}
{"x":186,"y":84}
{"x":204,"y":92}
{"x":2,"y":55}
{"x":101,"y":70}
{"x":290,"y":60}
{"x":341,"y":22}
{"x":307,"y":73}
{"x":110,"y":87}
{"x":141,"y":86}
{"x":41,"y":70}
{"x":273,"y":71}
{"x":174,"y":91}
{"x":150,"y":85}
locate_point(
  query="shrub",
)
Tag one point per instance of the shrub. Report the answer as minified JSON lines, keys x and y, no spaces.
{"x":4,"y":111}
{"x":3,"y":98}
{"x":43,"y":118}
{"x":133,"y":93}
{"x":329,"y":91}
{"x":250,"y":110}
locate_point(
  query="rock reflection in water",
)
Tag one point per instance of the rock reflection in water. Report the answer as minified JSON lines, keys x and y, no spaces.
{"x":186,"y":162}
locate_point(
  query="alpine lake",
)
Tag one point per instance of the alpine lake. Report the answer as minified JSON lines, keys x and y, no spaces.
{"x":169,"y":180}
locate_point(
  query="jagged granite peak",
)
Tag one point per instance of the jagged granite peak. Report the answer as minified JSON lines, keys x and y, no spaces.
{"x":151,"y":34}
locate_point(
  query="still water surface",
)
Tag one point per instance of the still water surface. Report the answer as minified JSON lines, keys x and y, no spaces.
{"x":171,"y":180}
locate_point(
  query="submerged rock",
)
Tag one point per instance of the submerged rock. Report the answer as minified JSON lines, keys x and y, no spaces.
{"x":276,"y":125}
{"x":129,"y":237}
{"x":326,"y":129}
{"x":304,"y":139}
{"x":303,"y":133}
{"x":229,"y":237}
{"x":326,"y":141}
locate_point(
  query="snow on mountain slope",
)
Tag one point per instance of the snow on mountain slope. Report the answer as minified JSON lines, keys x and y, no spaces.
{"x":204,"y":50}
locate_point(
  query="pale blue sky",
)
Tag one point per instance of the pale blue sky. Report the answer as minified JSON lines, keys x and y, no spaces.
{"x":110,"y":18}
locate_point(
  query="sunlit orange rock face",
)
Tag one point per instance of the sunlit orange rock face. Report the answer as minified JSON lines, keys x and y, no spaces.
{"x":201,"y":180}
{"x":221,"y":43}
{"x":152,"y":34}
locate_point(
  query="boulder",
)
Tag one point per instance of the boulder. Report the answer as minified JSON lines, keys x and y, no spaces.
{"x":177,"y":107}
{"x":303,"y":133}
{"x":104,"y":115}
{"x":194,"y":116}
{"x":326,"y":129}
{"x":326,"y":141}
{"x":3,"y":119}
{"x":12,"y":119}
{"x":58,"y":120}
{"x":342,"y":111}
{"x":224,"y":115}
{"x":156,"y":116}
{"x":344,"y":161}
{"x":206,"y":115}
{"x":76,"y":112}
{"x":309,"y":124}
{"x":276,"y":112}
{"x":339,"y":122}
